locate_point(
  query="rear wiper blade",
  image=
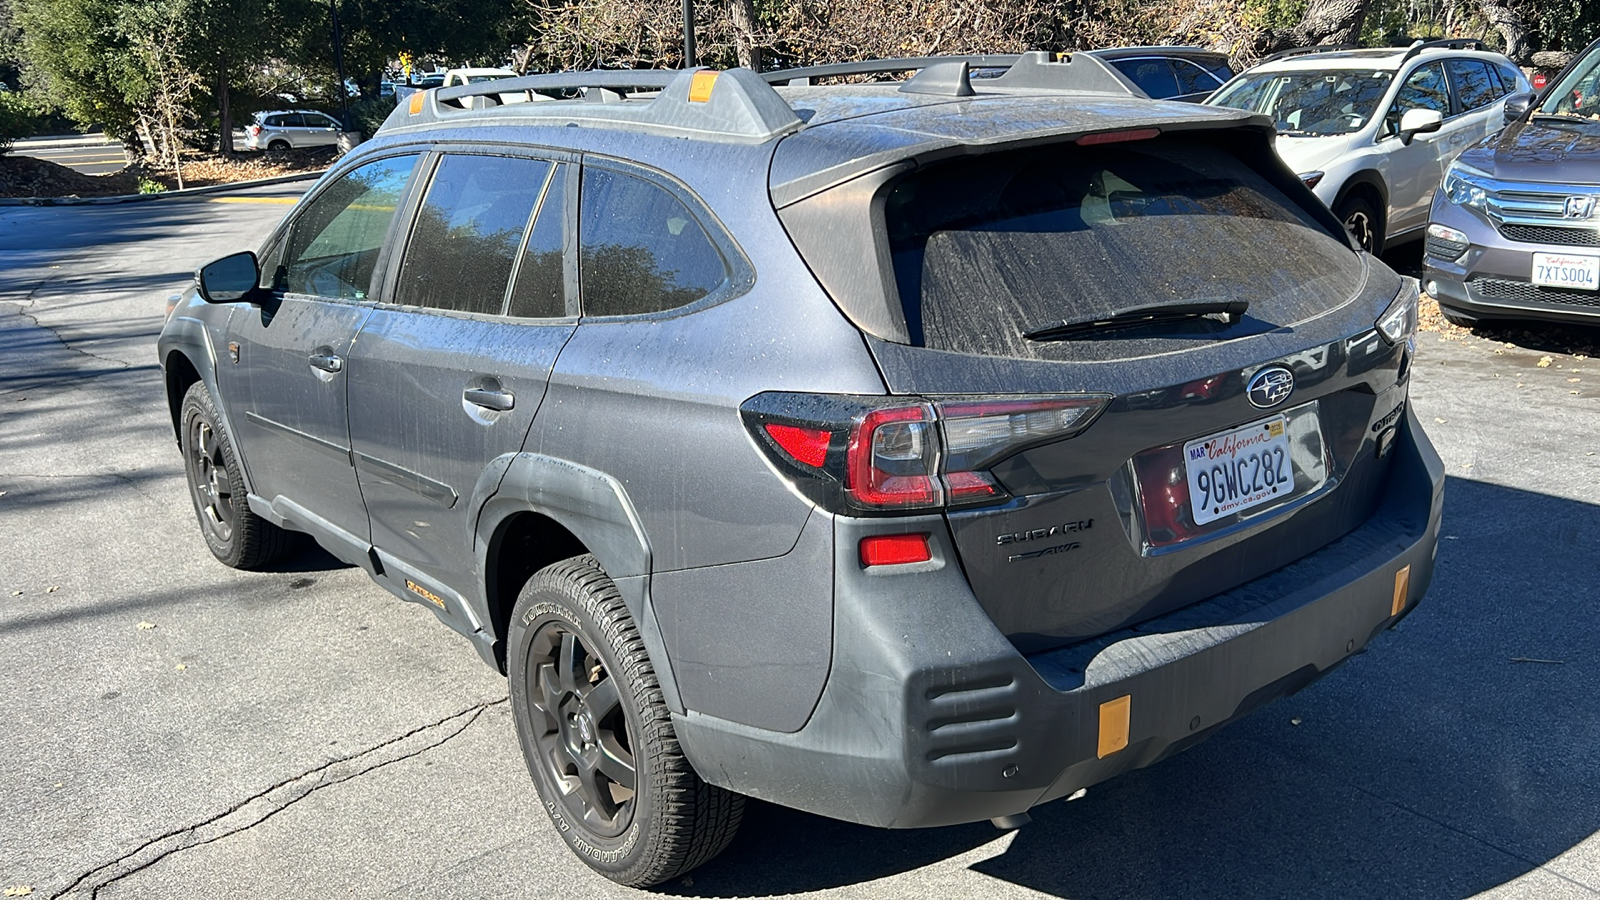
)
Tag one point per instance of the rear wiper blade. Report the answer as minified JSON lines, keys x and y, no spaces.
{"x":1230,"y":310}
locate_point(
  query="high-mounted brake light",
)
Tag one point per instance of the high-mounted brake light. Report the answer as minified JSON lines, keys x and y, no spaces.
{"x":1117,"y":137}
{"x":895,"y":454}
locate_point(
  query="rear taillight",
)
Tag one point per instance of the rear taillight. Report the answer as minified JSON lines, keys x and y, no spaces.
{"x":254,"y":130}
{"x":889,"y":454}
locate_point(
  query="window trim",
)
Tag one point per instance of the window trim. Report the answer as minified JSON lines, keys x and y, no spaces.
{"x":741,"y":273}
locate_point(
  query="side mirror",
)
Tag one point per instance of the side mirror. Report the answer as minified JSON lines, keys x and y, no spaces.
{"x":1517,"y":106}
{"x":1419,"y":121}
{"x":229,"y":279}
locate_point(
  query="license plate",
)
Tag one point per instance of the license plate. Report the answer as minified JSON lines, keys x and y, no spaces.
{"x":1564,"y":270}
{"x":1239,"y":469}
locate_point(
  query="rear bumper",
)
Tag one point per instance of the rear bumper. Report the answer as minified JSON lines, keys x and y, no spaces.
{"x":930,"y":717}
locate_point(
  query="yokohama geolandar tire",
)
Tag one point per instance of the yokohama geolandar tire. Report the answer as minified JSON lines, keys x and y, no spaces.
{"x":597,"y":735}
{"x":237,"y":537}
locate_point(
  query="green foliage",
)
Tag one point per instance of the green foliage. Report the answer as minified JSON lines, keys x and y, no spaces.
{"x":17,"y":119}
{"x":369,"y":113}
{"x":1273,"y":13}
{"x":149,"y":186}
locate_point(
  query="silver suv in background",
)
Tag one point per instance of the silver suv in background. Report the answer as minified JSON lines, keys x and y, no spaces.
{"x":1515,"y":232}
{"x":1371,"y":131}
{"x":285,"y":129}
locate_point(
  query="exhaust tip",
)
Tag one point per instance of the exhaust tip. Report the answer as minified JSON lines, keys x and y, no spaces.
{"x":1011,"y":823}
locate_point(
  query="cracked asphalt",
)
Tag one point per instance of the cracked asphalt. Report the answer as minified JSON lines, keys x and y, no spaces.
{"x":172,"y":728}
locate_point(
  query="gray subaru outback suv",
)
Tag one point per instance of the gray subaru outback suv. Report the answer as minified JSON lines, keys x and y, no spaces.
{"x":910,"y":453}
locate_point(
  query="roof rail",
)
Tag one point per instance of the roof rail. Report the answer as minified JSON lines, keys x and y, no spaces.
{"x":1444,"y":44}
{"x":735,"y":105}
{"x":950,"y":75}
{"x":1305,"y":51}
{"x":808,"y":74}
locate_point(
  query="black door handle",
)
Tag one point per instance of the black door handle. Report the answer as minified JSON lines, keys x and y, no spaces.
{"x":327,"y":362}
{"x":496,"y":400}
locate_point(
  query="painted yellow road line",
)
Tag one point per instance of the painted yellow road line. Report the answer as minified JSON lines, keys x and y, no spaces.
{"x":286,"y":201}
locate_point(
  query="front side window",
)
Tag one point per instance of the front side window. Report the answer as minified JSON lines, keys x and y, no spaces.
{"x":1474,"y":82}
{"x":468,"y":232}
{"x":1424,"y":88}
{"x":335,"y":240}
{"x":989,"y":249}
{"x":1310,"y":104}
{"x":640,"y":250}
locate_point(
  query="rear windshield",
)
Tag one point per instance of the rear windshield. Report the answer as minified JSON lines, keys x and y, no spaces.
{"x":989,"y":248}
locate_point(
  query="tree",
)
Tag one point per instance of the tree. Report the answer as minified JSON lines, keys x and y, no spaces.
{"x":158,"y":32}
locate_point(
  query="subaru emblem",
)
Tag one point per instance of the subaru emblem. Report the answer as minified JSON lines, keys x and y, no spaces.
{"x":1580,"y":207}
{"x":1270,"y":386}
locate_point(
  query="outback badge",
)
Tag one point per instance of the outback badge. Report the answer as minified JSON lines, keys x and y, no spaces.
{"x":1270,"y":386}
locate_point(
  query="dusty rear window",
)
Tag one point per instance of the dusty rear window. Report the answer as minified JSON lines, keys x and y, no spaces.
{"x":989,"y":248}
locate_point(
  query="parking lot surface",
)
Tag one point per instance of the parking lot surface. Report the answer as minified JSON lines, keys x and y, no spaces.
{"x":173,"y":728}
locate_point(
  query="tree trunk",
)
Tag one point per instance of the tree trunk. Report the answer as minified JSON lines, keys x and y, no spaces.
{"x":1508,"y":22}
{"x":1325,"y":22}
{"x":224,"y":110}
{"x":744,"y":26}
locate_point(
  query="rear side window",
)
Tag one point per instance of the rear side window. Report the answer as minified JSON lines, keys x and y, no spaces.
{"x":1474,"y":85}
{"x":1153,"y":76}
{"x":468,"y":232}
{"x":1192,"y":79}
{"x":334,"y":241}
{"x":540,"y":291}
{"x":278,"y":121}
{"x":990,"y":248}
{"x":640,"y":250}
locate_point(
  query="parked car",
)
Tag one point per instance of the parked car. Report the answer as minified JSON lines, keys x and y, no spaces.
{"x":906,"y":461}
{"x":284,"y":129}
{"x":456,"y":77}
{"x":1371,"y":131}
{"x":1515,"y":231}
{"x":1189,"y":74}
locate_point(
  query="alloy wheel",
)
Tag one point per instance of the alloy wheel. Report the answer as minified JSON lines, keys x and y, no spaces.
{"x":210,"y":480}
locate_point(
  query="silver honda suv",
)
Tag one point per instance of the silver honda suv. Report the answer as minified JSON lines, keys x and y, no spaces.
{"x":910,"y":453}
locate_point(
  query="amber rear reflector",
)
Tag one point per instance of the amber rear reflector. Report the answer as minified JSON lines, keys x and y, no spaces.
{"x":416,"y":103}
{"x":1402,"y":587}
{"x":700,"y":86}
{"x":1114,"y":715}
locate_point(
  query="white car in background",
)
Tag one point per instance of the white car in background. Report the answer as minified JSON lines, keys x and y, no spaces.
{"x":475,"y":76}
{"x":1371,"y":132}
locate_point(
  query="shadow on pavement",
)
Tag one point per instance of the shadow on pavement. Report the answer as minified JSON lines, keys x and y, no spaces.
{"x":1438,"y":764}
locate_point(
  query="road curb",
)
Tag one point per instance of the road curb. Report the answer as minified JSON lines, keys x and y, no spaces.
{"x":134,"y":198}
{"x":63,"y":143}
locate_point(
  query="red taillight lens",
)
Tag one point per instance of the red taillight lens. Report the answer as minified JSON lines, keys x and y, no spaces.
{"x":895,"y":549}
{"x":806,"y":445}
{"x":1118,"y":137}
{"x":254,"y":130}
{"x":893,"y":459}
{"x":855,"y":454}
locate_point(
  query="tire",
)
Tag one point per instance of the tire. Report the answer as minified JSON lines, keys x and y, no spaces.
{"x":587,"y":705}
{"x":278,"y":146}
{"x":238,"y":538}
{"x":1362,"y":219}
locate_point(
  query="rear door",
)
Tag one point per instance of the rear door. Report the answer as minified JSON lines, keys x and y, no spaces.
{"x":449,"y":371}
{"x":293,"y":350}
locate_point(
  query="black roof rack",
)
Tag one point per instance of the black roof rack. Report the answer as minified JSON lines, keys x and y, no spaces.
{"x":1306,"y":51}
{"x":1445,"y":44}
{"x":808,"y":74}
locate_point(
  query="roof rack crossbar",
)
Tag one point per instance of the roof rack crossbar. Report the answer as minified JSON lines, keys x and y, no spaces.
{"x":735,"y":105}
{"x":1304,"y":51}
{"x":808,"y":74}
{"x":1034,"y":70}
{"x":1442,"y":44}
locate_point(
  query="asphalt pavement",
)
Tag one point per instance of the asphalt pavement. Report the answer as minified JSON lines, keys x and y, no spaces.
{"x":173,"y":728}
{"x":89,"y":154}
